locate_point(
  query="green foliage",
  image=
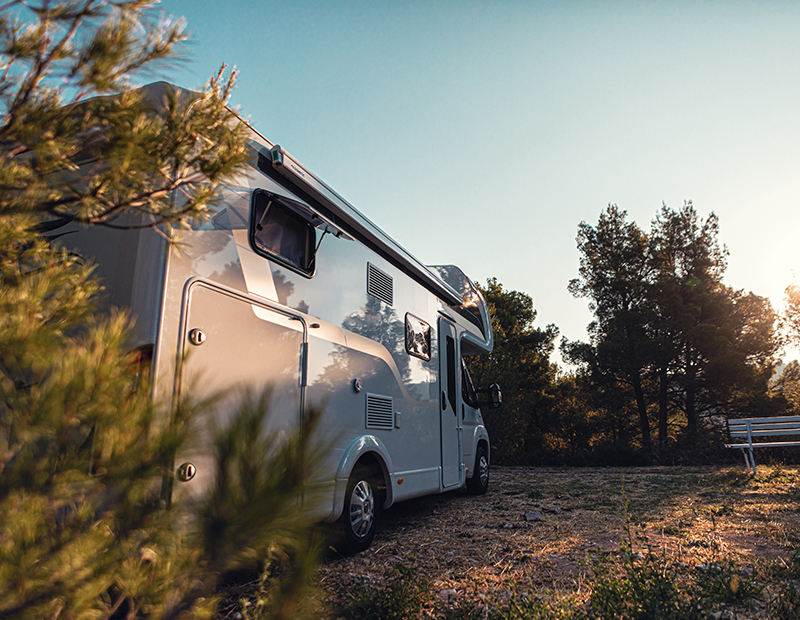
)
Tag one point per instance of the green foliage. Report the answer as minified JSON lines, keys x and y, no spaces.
{"x":88,"y":531}
{"x":641,"y":590}
{"x":669,"y":337}
{"x":792,"y":313}
{"x":518,"y":608}
{"x":50,"y":128}
{"x":787,"y":385}
{"x":520,"y":363}
{"x":401,"y":596}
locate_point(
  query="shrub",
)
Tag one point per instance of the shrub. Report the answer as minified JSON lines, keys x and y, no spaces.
{"x":87,"y":531}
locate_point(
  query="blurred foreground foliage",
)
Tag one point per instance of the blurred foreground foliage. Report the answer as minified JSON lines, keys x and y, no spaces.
{"x":87,"y":531}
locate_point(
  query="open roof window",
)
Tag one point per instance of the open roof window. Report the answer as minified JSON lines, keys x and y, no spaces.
{"x":279,"y":232}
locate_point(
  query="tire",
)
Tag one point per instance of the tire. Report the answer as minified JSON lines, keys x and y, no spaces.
{"x":362,"y":504}
{"x":479,"y":483}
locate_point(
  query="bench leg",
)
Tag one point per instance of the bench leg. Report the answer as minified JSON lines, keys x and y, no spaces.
{"x":750,"y":470}
{"x":753,"y":462}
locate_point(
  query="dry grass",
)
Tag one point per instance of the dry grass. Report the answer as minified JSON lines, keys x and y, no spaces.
{"x":486,"y":547}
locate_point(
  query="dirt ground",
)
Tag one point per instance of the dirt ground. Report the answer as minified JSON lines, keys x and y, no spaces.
{"x":535,"y":528}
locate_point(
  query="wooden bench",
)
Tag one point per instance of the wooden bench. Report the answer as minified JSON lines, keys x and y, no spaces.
{"x":747,"y":429}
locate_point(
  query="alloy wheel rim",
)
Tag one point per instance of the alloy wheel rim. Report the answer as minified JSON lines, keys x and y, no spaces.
{"x":483,"y":470}
{"x":362,"y":509}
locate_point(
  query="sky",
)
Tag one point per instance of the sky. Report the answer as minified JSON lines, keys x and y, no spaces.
{"x":482,"y":134}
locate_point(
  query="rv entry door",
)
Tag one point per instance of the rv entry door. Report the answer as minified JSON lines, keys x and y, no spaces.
{"x":449,"y":404}
{"x":233,"y":344}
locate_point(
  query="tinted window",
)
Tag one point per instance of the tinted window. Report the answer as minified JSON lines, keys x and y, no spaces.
{"x":451,"y":371}
{"x":281,"y":233}
{"x":467,"y":388}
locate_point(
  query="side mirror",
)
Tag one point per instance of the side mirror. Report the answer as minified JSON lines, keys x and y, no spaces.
{"x":495,"y":396}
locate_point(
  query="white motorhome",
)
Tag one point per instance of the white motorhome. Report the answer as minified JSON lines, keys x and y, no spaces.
{"x":291,"y":287}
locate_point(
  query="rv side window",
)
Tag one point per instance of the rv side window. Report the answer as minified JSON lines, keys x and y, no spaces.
{"x":467,"y":388}
{"x":418,"y":337}
{"x":282,"y":234}
{"x":451,"y":371}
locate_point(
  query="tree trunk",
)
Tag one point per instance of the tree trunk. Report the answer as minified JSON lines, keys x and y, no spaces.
{"x":663,"y":403}
{"x":644,"y":423}
{"x":690,"y":388}
{"x":691,"y":413}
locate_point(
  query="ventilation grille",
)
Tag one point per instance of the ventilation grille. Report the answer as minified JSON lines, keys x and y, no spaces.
{"x":379,"y":284}
{"x":380,"y":412}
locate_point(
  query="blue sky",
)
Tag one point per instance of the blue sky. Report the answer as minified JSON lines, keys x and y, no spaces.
{"x":483,"y":133}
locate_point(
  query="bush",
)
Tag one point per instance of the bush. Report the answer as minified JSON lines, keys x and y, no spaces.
{"x":84,"y":452}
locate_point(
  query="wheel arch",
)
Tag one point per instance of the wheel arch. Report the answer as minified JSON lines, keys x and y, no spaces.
{"x":370,"y":451}
{"x":481,"y":439}
{"x":483,"y":442}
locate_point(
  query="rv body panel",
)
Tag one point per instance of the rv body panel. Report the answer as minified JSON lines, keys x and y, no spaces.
{"x":362,"y":330}
{"x":243,"y":340}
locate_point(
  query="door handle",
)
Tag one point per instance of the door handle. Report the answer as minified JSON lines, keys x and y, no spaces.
{"x":444,"y":401}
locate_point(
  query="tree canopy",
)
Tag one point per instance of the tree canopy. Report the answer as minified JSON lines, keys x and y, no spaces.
{"x":521,"y":361}
{"x":667,"y":330}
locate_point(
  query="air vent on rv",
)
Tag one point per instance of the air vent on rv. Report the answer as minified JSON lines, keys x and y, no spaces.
{"x":379,"y":284}
{"x":380,"y":412}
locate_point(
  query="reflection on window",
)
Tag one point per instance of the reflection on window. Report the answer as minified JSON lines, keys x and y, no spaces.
{"x":282,"y":234}
{"x":418,"y":337}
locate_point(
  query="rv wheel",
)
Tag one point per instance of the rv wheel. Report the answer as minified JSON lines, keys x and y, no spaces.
{"x":361,"y":510}
{"x":479,"y":482}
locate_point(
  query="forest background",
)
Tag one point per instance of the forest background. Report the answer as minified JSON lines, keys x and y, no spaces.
{"x":672,"y":352}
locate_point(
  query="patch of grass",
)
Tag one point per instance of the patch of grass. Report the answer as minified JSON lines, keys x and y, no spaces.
{"x":641,"y":590}
{"x":776,"y":474}
{"x":645,"y":586}
{"x":675,"y":530}
{"x":401,"y":595}
{"x":520,"y":608}
{"x":785,"y":605}
{"x":724,"y":509}
{"x":726,"y":583}
{"x":600,"y":502}
{"x":460,"y":610}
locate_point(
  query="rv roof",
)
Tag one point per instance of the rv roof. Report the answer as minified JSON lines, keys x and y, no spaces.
{"x":299,"y":176}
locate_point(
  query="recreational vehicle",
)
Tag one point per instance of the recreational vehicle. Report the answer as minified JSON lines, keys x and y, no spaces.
{"x":289,"y":286}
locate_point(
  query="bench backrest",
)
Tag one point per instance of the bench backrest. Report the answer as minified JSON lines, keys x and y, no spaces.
{"x":764,"y":427}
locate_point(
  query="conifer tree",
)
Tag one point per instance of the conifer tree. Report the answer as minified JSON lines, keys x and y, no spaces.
{"x":520,"y":361}
{"x":84,"y":529}
{"x":687,"y":347}
{"x":791,"y":316}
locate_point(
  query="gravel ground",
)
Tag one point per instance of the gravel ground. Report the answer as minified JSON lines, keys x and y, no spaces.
{"x":535,"y":528}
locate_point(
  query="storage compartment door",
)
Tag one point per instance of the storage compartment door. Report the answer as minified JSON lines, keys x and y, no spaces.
{"x":231,"y":344}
